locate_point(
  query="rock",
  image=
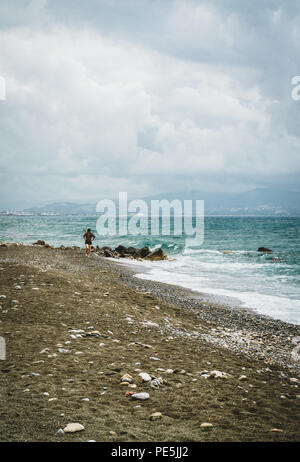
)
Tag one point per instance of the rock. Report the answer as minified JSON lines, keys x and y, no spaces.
{"x":145,"y":377}
{"x":133,"y":251}
{"x":60,"y":432}
{"x":219,"y":375}
{"x":155,"y":383}
{"x":243,"y":377}
{"x":122,"y":250}
{"x":144,"y":252}
{"x":46,"y":350}
{"x":294,"y":380}
{"x":276,"y":430}
{"x":127,"y":378}
{"x":263,"y":249}
{"x":206,"y":425}
{"x":140,"y":396}
{"x":108,"y":253}
{"x":150,"y":324}
{"x":157,"y":254}
{"x":155,"y":416}
{"x":63,"y":350}
{"x":18,"y":287}
{"x":73,"y":427}
{"x":39,"y":242}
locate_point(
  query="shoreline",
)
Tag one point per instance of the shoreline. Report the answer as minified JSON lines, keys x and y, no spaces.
{"x":232,"y":320}
{"x":58,"y":371}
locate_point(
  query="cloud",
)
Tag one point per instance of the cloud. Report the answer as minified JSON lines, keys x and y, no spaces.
{"x":197,"y":98}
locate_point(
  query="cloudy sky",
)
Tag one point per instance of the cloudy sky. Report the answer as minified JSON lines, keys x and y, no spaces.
{"x":147,"y":96}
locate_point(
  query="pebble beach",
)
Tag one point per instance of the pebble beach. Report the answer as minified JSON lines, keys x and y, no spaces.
{"x":126,"y":359}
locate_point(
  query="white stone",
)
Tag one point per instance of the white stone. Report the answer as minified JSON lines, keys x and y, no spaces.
{"x":145,"y":377}
{"x":73,"y":427}
{"x":140,"y":396}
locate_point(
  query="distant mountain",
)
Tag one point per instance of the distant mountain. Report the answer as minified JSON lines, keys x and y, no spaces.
{"x":259,"y":202}
{"x":255,"y":202}
{"x":64,"y":208}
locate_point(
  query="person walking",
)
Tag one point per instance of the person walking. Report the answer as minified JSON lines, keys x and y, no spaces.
{"x":88,"y":237}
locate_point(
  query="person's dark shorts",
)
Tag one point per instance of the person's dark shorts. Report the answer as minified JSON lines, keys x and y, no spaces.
{"x":88,"y":242}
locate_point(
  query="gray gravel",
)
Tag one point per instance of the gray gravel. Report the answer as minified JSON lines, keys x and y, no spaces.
{"x":240,"y":330}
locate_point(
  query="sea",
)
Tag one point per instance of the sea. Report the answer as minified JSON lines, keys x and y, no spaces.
{"x":226,"y":265}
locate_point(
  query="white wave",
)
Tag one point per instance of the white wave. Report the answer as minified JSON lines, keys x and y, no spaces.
{"x":283,"y":308}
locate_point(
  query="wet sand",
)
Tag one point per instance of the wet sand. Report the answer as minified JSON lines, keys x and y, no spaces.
{"x":76,"y":325}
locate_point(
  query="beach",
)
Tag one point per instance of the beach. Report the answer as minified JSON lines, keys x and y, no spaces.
{"x":74,"y":326}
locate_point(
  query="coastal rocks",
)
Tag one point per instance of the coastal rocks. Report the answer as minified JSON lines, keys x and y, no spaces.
{"x":131,"y":252}
{"x":73,"y":427}
{"x":39,"y":242}
{"x":264,"y":249}
{"x":157,"y":254}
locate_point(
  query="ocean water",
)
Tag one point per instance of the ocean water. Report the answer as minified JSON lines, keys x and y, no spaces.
{"x":226,"y":264}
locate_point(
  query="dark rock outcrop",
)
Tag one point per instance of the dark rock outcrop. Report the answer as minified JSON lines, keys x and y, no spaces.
{"x":131,"y":252}
{"x":157,"y":254}
{"x":263,"y":249}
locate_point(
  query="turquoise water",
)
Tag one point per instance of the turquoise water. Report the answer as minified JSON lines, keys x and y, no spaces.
{"x":255,"y":280}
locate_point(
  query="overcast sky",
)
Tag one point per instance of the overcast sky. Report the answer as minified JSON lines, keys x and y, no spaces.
{"x":147,"y":96}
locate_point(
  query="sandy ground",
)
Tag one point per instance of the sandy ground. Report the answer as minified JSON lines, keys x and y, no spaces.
{"x":95,"y":323}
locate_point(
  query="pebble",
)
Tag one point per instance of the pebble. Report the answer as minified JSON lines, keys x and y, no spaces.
{"x":46,"y":350}
{"x":206,"y":425}
{"x":126,"y":378}
{"x":243,"y":377}
{"x":60,"y":432}
{"x":73,"y":427}
{"x":63,"y":350}
{"x":53,"y":399}
{"x":155,"y":416}
{"x":145,"y":377}
{"x":141,"y":396}
{"x":18,"y":287}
